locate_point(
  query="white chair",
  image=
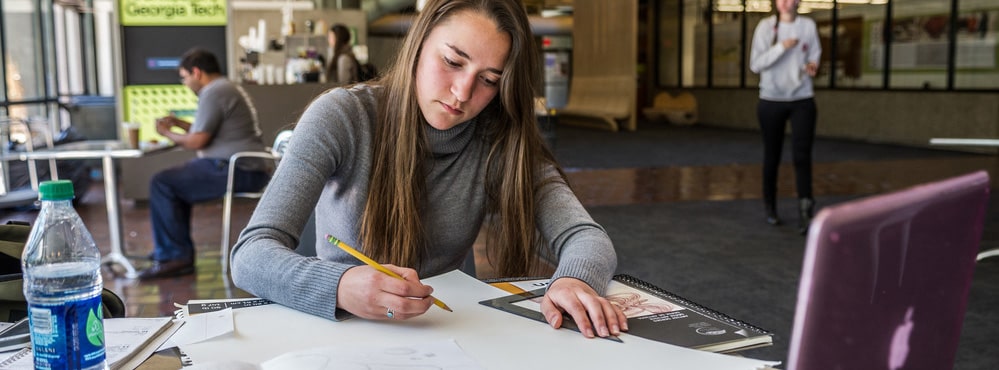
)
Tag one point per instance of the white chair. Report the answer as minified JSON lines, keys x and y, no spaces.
{"x":274,"y":153}
{"x":20,"y":130}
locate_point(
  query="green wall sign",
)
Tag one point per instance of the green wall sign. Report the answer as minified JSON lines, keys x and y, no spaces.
{"x":173,"y":12}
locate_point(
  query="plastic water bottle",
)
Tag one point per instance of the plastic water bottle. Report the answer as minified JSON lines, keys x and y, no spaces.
{"x":63,"y":284}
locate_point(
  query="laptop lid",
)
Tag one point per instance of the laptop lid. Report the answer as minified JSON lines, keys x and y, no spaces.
{"x":885,"y":279}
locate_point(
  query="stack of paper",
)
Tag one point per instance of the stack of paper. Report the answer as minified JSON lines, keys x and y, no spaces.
{"x":128,"y":342}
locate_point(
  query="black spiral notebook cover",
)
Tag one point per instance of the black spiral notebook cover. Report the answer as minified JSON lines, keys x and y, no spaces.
{"x":680,"y":321}
{"x":641,"y":284}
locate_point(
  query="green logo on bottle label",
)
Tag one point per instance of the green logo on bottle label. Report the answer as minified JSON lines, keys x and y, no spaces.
{"x":95,"y":328}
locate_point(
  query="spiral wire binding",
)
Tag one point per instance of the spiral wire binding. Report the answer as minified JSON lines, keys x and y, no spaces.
{"x":639,"y":283}
{"x":16,"y":356}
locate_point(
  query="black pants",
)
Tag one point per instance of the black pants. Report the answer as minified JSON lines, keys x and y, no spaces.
{"x":773,"y":117}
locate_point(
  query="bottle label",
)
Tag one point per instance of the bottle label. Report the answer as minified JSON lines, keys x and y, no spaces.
{"x":67,"y":335}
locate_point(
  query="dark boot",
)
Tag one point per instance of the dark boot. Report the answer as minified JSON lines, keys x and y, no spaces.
{"x":771,"y":208}
{"x":806,"y":208}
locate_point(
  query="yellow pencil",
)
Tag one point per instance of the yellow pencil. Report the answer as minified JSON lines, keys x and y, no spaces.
{"x":370,"y":262}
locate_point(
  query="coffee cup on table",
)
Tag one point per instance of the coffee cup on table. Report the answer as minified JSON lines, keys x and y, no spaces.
{"x":132,"y":133}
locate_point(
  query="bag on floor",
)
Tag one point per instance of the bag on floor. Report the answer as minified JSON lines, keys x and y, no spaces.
{"x":13,"y":305}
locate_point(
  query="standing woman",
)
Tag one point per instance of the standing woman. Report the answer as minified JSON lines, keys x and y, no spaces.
{"x":785,"y":53}
{"x":410,"y":168}
{"x":343,"y":66}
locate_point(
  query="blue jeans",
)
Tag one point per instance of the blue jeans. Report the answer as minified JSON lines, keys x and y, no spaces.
{"x":174,"y":191}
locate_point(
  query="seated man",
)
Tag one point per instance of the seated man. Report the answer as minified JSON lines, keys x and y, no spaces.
{"x":224,"y":124}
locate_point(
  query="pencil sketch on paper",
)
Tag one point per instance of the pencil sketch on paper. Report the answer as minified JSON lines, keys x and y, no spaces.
{"x":634,"y":304}
{"x":441,"y":355}
{"x":632,"y":301}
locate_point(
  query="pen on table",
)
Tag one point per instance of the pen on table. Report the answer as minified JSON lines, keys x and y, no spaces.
{"x":370,"y":262}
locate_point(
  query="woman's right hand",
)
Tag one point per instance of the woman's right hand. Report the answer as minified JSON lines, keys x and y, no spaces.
{"x":371,"y":294}
{"x":790,"y":43}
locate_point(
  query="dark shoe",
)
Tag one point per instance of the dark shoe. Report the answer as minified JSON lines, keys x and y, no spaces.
{"x":806,"y":208}
{"x":162,"y":269}
{"x":772,"y":218}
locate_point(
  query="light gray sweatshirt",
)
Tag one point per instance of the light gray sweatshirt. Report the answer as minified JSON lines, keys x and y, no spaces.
{"x":782,"y":70}
{"x":327,"y":166}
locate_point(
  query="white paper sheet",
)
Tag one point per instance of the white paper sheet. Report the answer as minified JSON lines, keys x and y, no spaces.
{"x":202,"y":327}
{"x":441,"y":355}
{"x":495,"y":339}
{"x":123,"y":337}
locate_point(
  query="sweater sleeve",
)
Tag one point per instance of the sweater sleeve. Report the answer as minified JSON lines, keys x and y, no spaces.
{"x":763,"y":54}
{"x":263,"y":260}
{"x":815,"y":50}
{"x":583,"y":248}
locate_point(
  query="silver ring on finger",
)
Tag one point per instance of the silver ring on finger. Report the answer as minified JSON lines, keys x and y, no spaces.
{"x":389,"y":313}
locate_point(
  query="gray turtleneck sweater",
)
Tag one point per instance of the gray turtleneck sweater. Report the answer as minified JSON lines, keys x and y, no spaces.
{"x":327,"y":167}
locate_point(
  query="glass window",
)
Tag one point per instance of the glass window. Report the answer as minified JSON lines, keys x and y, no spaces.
{"x":859,"y":56}
{"x":821,"y":13}
{"x":695,"y":42}
{"x":69,"y":41}
{"x":669,"y":43}
{"x":25,"y":25}
{"x":726,"y":51}
{"x":755,"y":12}
{"x":21,"y":29}
{"x":919,"y":48}
{"x":975,"y":55}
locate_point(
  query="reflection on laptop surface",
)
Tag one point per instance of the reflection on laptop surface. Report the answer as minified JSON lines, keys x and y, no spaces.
{"x":885,"y":279}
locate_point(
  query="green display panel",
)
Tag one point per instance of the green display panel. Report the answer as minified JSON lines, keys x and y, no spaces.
{"x":143,"y":104}
{"x":173,"y":12}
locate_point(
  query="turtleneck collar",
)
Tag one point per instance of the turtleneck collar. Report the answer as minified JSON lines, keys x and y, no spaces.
{"x":452,"y":140}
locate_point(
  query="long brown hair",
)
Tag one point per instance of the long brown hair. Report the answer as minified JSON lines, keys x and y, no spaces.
{"x":391,"y":229}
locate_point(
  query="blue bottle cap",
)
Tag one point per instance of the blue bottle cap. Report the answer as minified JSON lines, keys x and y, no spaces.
{"x":56,"y":190}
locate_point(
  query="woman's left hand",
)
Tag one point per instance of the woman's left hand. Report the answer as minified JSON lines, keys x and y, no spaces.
{"x":594,"y":314}
{"x":812,"y":69}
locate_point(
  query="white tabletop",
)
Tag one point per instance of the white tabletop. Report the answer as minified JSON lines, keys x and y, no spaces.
{"x":495,"y":339}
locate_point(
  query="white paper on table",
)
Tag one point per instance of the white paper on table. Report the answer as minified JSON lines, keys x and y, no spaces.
{"x":444,"y":355}
{"x":122,"y":337}
{"x":201,"y":327}
{"x":494,"y":339}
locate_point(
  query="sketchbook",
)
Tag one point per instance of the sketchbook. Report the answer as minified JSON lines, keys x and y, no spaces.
{"x":653,"y":313}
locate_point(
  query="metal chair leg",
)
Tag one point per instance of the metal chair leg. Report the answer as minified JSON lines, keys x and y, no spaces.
{"x":226,"y":221}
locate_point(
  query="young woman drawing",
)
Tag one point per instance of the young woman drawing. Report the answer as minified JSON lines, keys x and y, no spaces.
{"x":410,"y":167}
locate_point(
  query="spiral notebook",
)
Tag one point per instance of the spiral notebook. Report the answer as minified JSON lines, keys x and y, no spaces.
{"x":653,"y":313}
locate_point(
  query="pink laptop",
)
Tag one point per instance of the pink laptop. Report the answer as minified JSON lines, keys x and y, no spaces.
{"x":885,"y":279}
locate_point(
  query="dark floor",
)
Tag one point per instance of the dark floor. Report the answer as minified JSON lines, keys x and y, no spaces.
{"x":682,"y":206}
